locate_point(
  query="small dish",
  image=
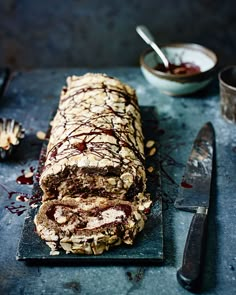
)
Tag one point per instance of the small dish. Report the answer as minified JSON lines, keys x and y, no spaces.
{"x":227,"y":82}
{"x":11,"y":134}
{"x":178,"y":54}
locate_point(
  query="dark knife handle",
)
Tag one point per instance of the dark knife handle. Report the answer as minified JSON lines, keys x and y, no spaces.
{"x":189,"y":274}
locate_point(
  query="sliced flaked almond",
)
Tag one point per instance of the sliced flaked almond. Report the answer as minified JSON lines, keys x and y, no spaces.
{"x":152,"y":152}
{"x":150,"y":144}
{"x":28,"y":174}
{"x":111,"y":181}
{"x":150,"y":169}
{"x":41,"y":135}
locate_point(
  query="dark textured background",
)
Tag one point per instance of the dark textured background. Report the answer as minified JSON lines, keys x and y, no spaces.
{"x":78,"y":33}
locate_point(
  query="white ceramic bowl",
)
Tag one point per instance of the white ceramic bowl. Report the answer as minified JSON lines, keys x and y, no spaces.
{"x":180,"y":84}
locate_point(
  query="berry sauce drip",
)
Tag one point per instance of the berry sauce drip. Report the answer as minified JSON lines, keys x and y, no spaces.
{"x":20,"y":201}
{"x":16,"y":209}
{"x":22,"y":198}
{"x":185,"y":184}
{"x":183,"y":68}
{"x":24,"y":178}
{"x":13,"y":207}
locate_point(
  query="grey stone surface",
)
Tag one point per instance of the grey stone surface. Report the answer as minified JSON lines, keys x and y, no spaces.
{"x":102,"y":33}
{"x":31,"y":98}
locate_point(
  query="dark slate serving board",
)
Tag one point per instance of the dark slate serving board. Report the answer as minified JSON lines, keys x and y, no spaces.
{"x":148,"y":246}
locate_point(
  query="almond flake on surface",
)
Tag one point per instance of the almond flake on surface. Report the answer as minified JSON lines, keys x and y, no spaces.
{"x":152,"y":152}
{"x":28,"y":174}
{"x":41,"y":135}
{"x":150,"y":143}
{"x":150,"y":169}
{"x":34,"y":205}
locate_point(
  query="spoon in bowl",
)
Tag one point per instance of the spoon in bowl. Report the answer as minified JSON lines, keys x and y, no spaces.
{"x":145,"y":34}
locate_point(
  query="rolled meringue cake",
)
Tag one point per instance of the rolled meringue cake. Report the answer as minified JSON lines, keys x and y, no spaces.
{"x":94,"y":178}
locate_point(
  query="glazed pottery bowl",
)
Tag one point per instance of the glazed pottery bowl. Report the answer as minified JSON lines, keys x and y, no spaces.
{"x":178,"y":54}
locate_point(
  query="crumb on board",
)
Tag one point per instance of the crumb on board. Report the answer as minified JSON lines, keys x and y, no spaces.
{"x":152,"y":152}
{"x":29,"y":174}
{"x":150,"y":169}
{"x":41,"y":135}
{"x":150,"y":144}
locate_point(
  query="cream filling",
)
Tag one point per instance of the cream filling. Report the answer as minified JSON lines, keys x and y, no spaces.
{"x":58,"y":215}
{"x":107,"y":216}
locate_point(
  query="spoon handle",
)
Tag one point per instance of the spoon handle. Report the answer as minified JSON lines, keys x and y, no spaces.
{"x":145,"y":34}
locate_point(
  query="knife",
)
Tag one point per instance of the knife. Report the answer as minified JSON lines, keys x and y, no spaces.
{"x":194,"y":196}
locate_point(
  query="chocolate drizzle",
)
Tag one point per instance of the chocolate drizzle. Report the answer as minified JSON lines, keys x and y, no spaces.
{"x":81,"y":146}
{"x":85,"y":130}
{"x":107,"y":89}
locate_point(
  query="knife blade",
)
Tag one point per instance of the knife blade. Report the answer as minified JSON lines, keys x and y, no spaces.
{"x":194,"y":196}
